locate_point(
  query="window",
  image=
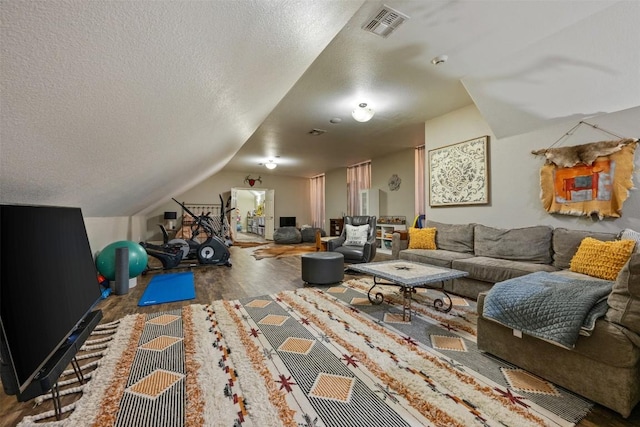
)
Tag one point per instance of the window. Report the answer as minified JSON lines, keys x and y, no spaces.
{"x":419,"y":174}
{"x":358,"y":178}
{"x":317,"y":201}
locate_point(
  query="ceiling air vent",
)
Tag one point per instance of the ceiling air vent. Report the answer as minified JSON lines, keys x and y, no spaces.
{"x":384,"y":21}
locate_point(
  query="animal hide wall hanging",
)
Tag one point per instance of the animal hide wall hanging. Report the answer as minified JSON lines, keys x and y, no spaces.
{"x":587,"y":180}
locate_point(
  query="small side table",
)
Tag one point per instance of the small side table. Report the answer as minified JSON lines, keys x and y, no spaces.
{"x":321,"y":242}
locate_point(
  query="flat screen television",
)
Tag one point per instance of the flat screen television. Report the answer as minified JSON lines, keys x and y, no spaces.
{"x":287,"y":221}
{"x":48,"y":289}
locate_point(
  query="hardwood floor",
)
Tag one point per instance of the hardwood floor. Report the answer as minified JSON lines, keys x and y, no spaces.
{"x":247,"y":277}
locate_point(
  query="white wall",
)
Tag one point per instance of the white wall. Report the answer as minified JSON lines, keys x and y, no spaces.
{"x":400,"y":202}
{"x":515,"y":172}
{"x":292,"y":196}
{"x":245,"y":203}
{"x":104,"y":231}
{"x":514,"y":181}
{"x":335,"y":195}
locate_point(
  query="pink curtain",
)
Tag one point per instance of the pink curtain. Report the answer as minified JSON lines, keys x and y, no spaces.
{"x":358,"y":178}
{"x":317,"y":201}
{"x":420,"y":186}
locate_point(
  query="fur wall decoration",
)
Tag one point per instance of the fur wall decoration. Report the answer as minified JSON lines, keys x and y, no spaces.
{"x":567,"y":157}
{"x":587,"y":180}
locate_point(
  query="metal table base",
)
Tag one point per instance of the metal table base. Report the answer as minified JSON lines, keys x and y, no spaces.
{"x":407,"y":297}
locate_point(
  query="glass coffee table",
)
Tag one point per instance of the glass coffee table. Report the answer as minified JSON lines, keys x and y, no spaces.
{"x":408,"y":276}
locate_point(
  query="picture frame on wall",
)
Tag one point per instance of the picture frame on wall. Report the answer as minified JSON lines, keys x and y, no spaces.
{"x":459,"y":173}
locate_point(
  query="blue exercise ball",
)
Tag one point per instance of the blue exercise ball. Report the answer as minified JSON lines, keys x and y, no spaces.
{"x":106,"y":259}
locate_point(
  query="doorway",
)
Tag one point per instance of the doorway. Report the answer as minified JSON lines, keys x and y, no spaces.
{"x":253,"y":211}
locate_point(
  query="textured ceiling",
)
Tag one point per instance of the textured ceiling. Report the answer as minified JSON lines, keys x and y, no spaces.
{"x":117,"y":106}
{"x":113,"y":106}
{"x":583,"y":70}
{"x":396,"y":77}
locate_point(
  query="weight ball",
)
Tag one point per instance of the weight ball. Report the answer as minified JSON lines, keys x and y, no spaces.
{"x":106,"y":259}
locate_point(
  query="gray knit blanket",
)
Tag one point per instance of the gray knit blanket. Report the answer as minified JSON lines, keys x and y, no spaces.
{"x":548,"y":306}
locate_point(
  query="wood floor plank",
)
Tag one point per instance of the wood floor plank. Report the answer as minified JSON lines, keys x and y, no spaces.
{"x":247,"y":277}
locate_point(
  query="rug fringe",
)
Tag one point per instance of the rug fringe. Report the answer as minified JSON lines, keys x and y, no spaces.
{"x":98,"y":341}
{"x":49,"y":414}
{"x":40,"y":399}
{"x":84,"y":410}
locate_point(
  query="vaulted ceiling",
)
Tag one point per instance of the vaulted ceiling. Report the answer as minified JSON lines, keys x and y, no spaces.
{"x":117,"y":106}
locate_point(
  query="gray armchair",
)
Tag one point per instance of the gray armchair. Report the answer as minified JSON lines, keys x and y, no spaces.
{"x":356,"y":254}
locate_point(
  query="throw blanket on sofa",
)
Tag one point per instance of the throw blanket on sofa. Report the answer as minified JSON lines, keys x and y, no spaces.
{"x":547,"y":306}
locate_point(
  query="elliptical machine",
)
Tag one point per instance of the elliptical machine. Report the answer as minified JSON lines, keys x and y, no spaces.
{"x":176,"y":252}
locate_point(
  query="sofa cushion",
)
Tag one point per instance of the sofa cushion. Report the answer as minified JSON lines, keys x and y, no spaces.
{"x":603,"y":260}
{"x":438,"y":257}
{"x":356,"y":234}
{"x":574,"y":275}
{"x":624,"y":300}
{"x":529,"y":244}
{"x":422,"y":238}
{"x":566,"y":242}
{"x":453,"y":237}
{"x":468,"y":288}
{"x":495,"y":269}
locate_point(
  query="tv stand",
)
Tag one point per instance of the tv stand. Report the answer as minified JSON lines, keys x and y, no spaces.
{"x":47,"y":378}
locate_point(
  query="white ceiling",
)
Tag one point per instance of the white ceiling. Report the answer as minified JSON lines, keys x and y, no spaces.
{"x":117,"y":106}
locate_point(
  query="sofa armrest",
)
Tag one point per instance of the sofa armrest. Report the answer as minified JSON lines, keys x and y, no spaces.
{"x":398,"y":244}
{"x":334,"y":243}
{"x":624,"y":299}
{"x":369,"y":251}
{"x":480,"y":302}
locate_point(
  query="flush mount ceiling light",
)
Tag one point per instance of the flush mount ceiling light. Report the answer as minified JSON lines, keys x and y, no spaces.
{"x":270,"y":164}
{"x":362,"y":113}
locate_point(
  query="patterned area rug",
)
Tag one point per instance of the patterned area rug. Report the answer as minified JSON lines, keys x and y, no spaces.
{"x":313,"y":357}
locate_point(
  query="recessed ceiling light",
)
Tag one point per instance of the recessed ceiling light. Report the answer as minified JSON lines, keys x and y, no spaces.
{"x":271,"y":164}
{"x":440,"y":59}
{"x":335,"y":120}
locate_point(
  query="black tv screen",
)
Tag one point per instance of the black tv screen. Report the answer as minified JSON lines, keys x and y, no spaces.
{"x":48,"y":284}
{"x":287,"y":221}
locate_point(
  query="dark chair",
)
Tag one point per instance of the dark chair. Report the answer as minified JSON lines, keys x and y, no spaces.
{"x":356,"y":254}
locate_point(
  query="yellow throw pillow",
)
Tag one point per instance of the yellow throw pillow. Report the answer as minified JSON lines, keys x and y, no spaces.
{"x":603,"y":260}
{"x":422,"y":238}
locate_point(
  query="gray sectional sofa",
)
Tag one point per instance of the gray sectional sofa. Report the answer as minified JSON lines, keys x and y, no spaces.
{"x":492,"y":255}
{"x":604,"y":367}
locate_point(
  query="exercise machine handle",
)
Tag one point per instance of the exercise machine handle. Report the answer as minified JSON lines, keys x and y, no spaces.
{"x":194,"y":216}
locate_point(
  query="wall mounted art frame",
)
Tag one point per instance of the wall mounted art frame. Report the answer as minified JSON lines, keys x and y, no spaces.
{"x":459,"y":173}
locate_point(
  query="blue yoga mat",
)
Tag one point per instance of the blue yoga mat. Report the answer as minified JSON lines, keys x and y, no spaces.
{"x":168,"y":288}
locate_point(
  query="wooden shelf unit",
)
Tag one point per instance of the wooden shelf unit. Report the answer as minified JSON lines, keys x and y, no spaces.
{"x":384,"y":235}
{"x":335,"y":226}
{"x":255,"y":225}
